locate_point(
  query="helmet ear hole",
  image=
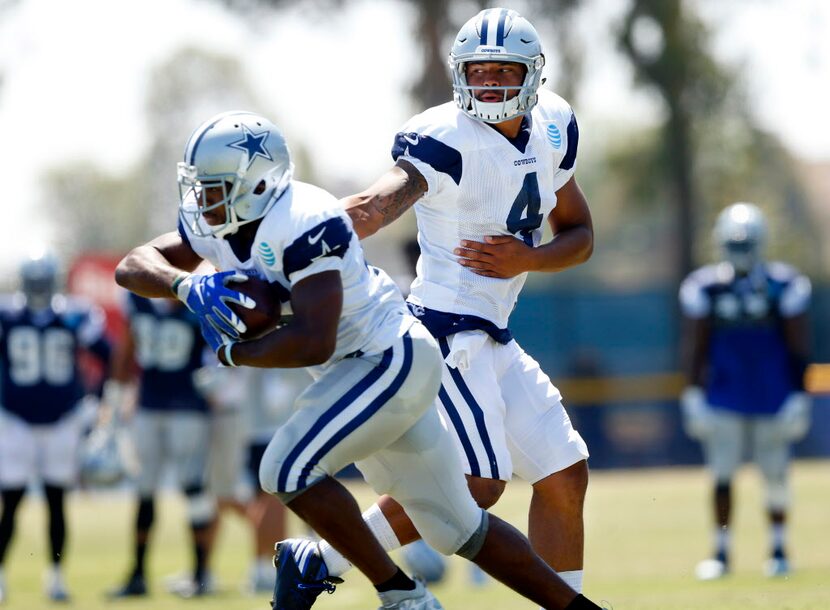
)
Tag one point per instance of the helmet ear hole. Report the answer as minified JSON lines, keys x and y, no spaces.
{"x":247,"y":157}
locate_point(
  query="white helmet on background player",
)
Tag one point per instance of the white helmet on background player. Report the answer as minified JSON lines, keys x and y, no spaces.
{"x":39,"y":279}
{"x":741,"y":233}
{"x":102,"y":462}
{"x":502,"y":35}
{"x":246,"y":156}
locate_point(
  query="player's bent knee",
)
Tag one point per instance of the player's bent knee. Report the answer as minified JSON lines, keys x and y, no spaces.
{"x":471,"y":548}
{"x":486,"y":492}
{"x":568,"y":486}
{"x":445,"y":528}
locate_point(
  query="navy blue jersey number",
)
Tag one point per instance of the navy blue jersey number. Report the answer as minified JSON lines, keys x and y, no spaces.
{"x":530,"y":200}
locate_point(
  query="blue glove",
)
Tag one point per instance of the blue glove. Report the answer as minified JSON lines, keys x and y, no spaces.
{"x":208,"y":295}
{"x":215,"y":338}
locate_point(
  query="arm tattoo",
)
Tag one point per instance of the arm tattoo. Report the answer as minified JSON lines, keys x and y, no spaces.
{"x":394,"y":204}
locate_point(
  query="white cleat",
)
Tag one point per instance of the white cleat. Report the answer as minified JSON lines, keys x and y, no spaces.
{"x":56,"y":587}
{"x":711,"y":569}
{"x":417,"y":599}
{"x":776,"y":567}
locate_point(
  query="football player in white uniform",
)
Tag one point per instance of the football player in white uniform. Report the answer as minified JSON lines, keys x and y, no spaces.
{"x":483,"y":174}
{"x":376,"y":368}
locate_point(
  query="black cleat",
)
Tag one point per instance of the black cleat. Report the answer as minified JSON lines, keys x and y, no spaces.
{"x":134,"y":587}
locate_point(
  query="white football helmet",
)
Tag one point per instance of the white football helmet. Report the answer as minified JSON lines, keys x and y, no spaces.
{"x":497,"y":34}
{"x":102,"y":460}
{"x":246,"y":156}
{"x":741,"y":233}
{"x":39,"y":279}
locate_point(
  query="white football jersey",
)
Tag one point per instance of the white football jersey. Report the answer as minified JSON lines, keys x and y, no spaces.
{"x":307,"y":232}
{"x":481,"y":183}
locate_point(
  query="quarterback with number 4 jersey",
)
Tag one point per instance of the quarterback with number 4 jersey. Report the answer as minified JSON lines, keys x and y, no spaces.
{"x":481,"y":183}
{"x":484,"y":173}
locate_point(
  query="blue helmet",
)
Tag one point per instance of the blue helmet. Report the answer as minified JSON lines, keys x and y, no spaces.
{"x":497,"y":34}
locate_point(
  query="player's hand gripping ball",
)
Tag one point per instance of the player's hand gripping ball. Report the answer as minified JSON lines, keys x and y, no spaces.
{"x":265,"y":316}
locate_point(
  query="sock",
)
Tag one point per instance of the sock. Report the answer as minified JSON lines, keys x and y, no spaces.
{"x":573,"y":578}
{"x":200,"y":561}
{"x":778,"y":535}
{"x":338,"y":565}
{"x":722,"y":541}
{"x":140,"y":554}
{"x":582,"y":603}
{"x":399,"y":582}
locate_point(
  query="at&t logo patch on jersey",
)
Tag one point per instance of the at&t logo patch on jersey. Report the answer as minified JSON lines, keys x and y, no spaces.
{"x":266,"y":253}
{"x":554,"y":136}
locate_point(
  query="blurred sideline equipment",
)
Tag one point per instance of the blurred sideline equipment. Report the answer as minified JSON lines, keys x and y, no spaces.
{"x":42,"y":335}
{"x":747,"y":345}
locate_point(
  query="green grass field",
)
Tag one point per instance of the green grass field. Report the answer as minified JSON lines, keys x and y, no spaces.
{"x":646,"y":529}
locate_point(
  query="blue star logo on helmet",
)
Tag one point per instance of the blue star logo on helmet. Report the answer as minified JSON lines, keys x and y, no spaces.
{"x":267,"y":253}
{"x":253,"y":144}
{"x":554,"y":135}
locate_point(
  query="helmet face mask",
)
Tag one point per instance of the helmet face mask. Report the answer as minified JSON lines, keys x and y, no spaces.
{"x":503,"y":36}
{"x":236,"y":166}
{"x":741,"y":234}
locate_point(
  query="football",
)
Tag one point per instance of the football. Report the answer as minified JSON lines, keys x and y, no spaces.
{"x":266,"y":315}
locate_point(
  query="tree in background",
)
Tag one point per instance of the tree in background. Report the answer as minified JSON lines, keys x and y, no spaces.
{"x":710,"y":151}
{"x":98,"y":211}
{"x":653,"y":189}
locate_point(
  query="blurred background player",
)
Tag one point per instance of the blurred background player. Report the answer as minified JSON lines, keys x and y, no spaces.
{"x":41,"y":336}
{"x":272,"y":396}
{"x":170,"y":425}
{"x":248,"y":405}
{"x":747,"y":346}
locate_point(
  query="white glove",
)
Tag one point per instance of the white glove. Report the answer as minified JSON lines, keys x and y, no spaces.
{"x":794,"y":416}
{"x":697,"y":414}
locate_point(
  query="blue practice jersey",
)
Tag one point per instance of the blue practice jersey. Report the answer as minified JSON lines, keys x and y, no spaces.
{"x":168,"y":347}
{"x":41,"y":381}
{"x":749,"y":366}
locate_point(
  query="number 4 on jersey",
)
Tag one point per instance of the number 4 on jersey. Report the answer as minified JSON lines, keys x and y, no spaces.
{"x":528,"y":198}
